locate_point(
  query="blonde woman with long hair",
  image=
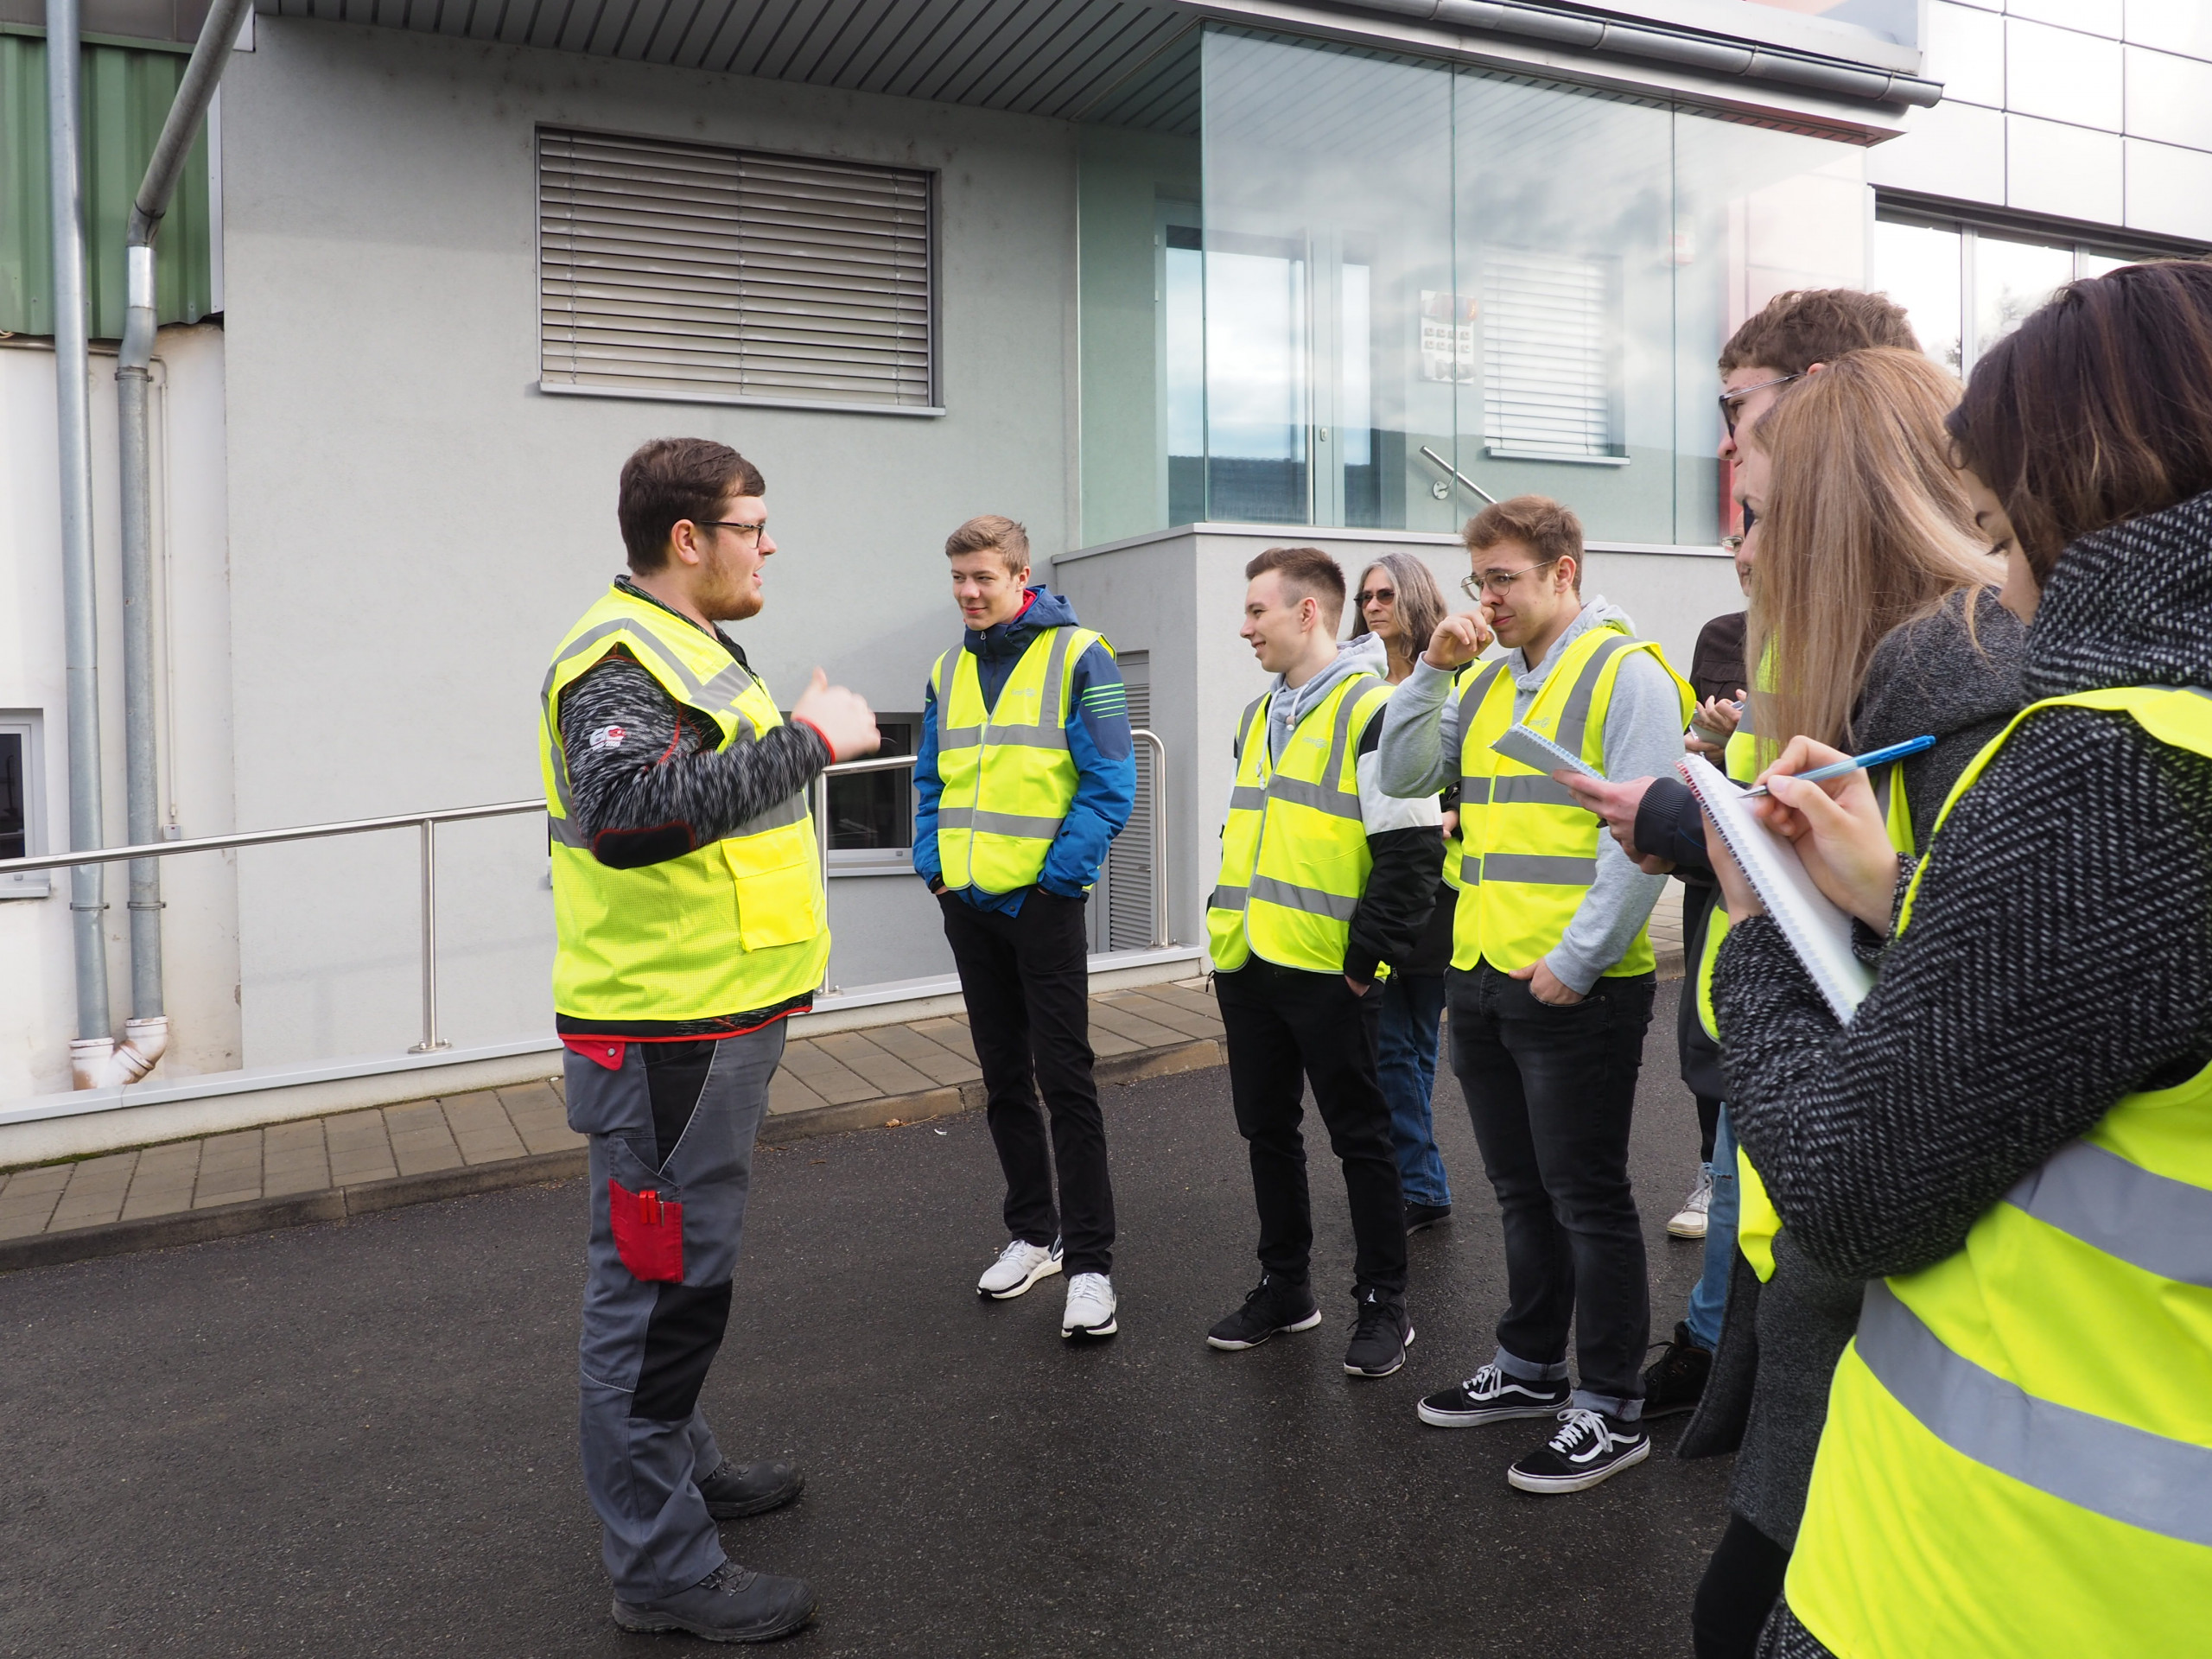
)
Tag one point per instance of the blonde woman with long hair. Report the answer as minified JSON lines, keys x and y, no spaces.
{"x":1400,"y":602}
{"x":1874,"y":617}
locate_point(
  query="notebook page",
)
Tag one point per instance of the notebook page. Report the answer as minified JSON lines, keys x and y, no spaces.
{"x":1817,"y":931}
{"x":1534,"y":749}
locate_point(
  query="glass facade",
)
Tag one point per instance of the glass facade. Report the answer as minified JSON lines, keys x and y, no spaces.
{"x":1349,"y":276}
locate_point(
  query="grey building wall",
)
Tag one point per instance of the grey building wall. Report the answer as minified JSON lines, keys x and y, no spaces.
{"x":413,"y":527}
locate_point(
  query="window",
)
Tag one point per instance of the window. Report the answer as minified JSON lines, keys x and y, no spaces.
{"x":1967,"y":286}
{"x":1549,"y":357}
{"x":22,"y":804}
{"x":690,"y":272}
{"x":872,"y":813}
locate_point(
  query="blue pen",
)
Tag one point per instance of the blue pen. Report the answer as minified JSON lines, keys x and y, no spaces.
{"x":1858,"y":762}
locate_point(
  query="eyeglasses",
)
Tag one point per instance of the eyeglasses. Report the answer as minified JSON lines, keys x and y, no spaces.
{"x":1500,"y":581}
{"x":1732,"y":402}
{"x":1731,"y":544}
{"x":753,"y":528}
{"x":1379,"y":596}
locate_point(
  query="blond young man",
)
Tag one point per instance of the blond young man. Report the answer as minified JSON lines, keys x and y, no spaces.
{"x":1024,"y":775}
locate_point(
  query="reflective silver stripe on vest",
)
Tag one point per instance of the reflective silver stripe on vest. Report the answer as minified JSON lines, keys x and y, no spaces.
{"x":1574,"y":719}
{"x":1312,"y":900}
{"x":1541,"y":869}
{"x":1471,"y":869}
{"x":1247,"y":797}
{"x":2115,"y":1470}
{"x":2147,"y":1220}
{"x":564,"y":830}
{"x":997,"y":823}
{"x":1049,"y":733}
{"x":1319,"y":797}
{"x":1527,"y":791}
{"x":1228,"y":898}
{"x":793,"y":811}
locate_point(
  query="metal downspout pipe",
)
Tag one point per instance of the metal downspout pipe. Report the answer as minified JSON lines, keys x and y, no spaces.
{"x":73,"y":438}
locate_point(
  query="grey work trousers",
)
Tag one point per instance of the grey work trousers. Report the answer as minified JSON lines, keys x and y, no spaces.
{"x":675,"y":1120}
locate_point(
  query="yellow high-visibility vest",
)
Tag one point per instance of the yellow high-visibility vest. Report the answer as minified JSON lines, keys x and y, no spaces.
{"x":2018,"y":1460}
{"x":1527,"y":852}
{"x":1294,"y":861}
{"x":1007,"y":777}
{"x":738,"y":925}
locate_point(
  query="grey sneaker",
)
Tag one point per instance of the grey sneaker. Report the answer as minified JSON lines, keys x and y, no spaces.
{"x":731,"y":1603}
{"x":736,"y":1490}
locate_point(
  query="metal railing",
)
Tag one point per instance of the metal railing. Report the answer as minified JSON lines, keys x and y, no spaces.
{"x":1158,"y":828}
{"x":426,"y":825}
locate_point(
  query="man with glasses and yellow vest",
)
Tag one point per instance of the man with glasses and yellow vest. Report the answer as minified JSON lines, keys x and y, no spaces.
{"x":1324,"y":882}
{"x":1552,"y":973}
{"x":1024,"y":775}
{"x":688,"y":903}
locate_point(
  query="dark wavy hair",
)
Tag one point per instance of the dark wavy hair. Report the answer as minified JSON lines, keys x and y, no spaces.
{"x":2098,"y":407}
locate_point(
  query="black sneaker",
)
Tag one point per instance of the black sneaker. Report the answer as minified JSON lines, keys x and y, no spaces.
{"x":1491,"y":1396}
{"x":1589,"y":1447}
{"x":1675,"y":1381}
{"x":731,"y":1603}
{"x":1380,"y":1336}
{"x":1419,"y":1217}
{"x":1271,"y":1308}
{"x":740,"y":1489}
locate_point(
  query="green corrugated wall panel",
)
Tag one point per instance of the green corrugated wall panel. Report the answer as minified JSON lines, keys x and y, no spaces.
{"x":127,"y":96}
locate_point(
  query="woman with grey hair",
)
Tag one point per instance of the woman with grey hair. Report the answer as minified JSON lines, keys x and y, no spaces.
{"x":1400,"y":602}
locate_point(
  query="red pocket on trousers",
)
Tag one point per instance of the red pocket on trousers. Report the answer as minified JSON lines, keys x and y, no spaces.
{"x":648,"y":1232}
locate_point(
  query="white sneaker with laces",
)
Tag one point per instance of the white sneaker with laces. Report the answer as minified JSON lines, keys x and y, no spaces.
{"x":1688,"y":1222}
{"x":1589,"y":1447}
{"x":1019,"y":1266}
{"x":1090,"y":1306}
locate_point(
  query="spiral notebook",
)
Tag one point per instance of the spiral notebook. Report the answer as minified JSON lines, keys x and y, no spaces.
{"x":1817,"y":930}
{"x":1533,"y":748}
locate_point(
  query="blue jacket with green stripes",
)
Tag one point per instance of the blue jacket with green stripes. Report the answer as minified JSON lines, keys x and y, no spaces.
{"x":1098,"y":741}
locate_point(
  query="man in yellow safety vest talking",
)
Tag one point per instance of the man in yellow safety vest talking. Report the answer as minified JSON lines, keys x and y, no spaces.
{"x":1325,"y":880}
{"x":687,"y":897}
{"x":1552,"y":973}
{"x":1024,"y":775}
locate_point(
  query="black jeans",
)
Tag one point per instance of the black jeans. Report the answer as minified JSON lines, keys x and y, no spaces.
{"x":1551,"y":1091}
{"x":1286,"y":1029}
{"x":1742,"y":1583}
{"x":1026,"y":980}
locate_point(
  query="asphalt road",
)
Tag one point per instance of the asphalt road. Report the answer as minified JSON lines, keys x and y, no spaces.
{"x":359,"y":1438}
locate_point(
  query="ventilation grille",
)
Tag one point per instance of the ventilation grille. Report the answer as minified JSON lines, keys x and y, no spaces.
{"x":694,"y":271}
{"x":1549,"y":357}
{"x":1128,"y":862}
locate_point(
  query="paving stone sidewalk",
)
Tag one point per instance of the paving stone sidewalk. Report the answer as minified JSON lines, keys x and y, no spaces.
{"x":322,"y":1168}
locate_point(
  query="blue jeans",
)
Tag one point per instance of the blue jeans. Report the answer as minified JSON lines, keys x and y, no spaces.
{"x":1710,"y":1294}
{"x":1413,"y":1004}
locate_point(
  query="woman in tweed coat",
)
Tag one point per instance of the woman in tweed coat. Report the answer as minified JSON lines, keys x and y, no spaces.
{"x":2077,"y":874}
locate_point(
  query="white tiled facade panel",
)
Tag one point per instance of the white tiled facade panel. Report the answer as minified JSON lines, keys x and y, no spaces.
{"x":2090,"y":110}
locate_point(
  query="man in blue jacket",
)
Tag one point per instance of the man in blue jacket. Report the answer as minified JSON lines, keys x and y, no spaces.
{"x":1024,"y":775}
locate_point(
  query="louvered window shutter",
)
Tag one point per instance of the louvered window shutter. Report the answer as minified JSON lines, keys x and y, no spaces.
{"x":692,"y":271}
{"x":1550,"y":357}
{"x":1129,"y":860}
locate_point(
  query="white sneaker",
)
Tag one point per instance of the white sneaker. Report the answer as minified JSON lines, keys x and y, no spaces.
{"x":1019,"y":1266}
{"x":1688,"y":1222}
{"x":1090,"y":1306}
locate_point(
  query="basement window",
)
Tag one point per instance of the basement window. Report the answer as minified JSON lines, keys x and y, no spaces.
{"x":22,"y":804}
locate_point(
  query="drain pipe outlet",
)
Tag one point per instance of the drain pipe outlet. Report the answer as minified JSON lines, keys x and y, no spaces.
{"x":147,"y":1033}
{"x":103,"y":1063}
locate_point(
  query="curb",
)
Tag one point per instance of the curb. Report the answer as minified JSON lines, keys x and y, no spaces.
{"x":367,"y":1198}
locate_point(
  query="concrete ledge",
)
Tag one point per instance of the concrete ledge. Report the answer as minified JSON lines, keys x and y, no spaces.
{"x":338,"y":1203}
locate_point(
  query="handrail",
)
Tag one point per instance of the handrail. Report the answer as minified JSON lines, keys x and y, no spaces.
{"x":820,"y":803}
{"x":426,"y":825}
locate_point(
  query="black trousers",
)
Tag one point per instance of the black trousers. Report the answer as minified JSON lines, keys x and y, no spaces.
{"x":1287,"y":1029}
{"x":1026,"y":980}
{"x":1742,"y":1583}
{"x":1551,"y":1091}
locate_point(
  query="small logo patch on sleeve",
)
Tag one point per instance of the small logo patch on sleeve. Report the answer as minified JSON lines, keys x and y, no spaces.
{"x":609,"y":737}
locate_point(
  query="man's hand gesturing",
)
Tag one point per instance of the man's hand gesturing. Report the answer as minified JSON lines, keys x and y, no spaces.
{"x":1458,"y":640}
{"x":841,"y":718}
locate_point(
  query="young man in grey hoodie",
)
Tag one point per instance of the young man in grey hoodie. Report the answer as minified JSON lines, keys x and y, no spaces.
{"x":1551,"y":984}
{"x":1323,"y":879}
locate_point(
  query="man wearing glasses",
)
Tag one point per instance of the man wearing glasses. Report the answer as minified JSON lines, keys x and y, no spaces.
{"x":1552,"y":973}
{"x":688,"y":902}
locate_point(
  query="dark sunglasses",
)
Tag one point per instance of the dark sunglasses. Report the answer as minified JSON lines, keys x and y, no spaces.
{"x":1379,"y":596}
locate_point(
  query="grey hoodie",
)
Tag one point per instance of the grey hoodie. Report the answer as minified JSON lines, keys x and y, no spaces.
{"x":1365,"y":655}
{"x":1419,"y":754}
